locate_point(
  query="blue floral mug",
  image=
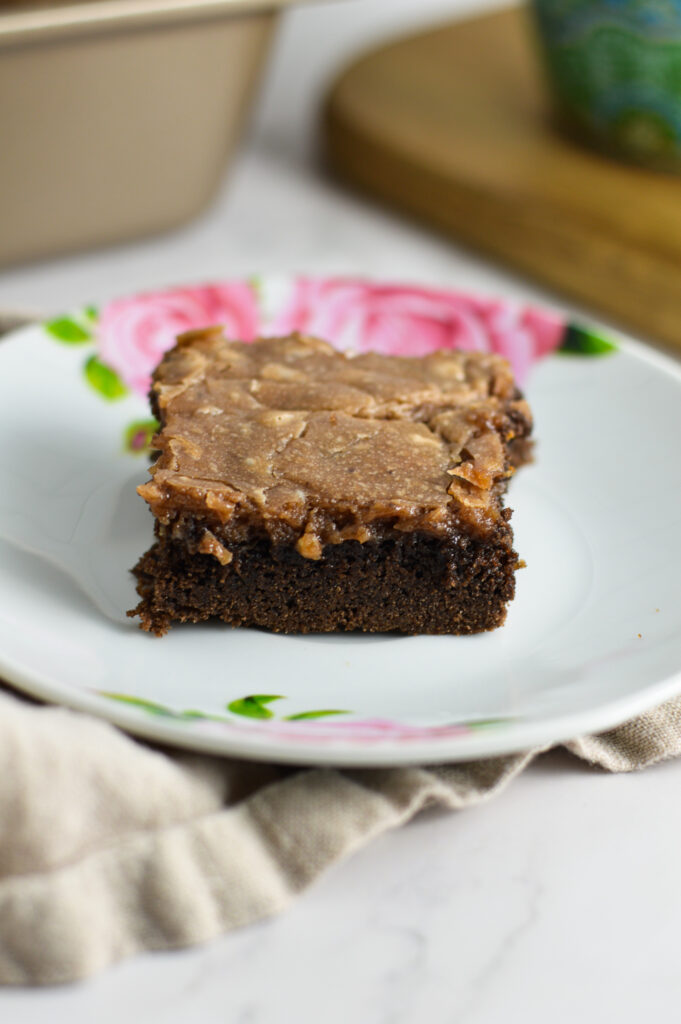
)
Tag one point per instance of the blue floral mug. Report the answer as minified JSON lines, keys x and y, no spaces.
{"x":615,"y":70}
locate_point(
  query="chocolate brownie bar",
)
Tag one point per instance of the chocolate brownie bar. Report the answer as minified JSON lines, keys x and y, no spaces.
{"x":303,"y":490}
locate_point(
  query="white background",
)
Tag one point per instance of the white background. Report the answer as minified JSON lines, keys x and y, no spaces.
{"x":561,"y":899}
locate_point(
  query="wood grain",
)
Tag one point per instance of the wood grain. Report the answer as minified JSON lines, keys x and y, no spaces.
{"x":453,"y":126}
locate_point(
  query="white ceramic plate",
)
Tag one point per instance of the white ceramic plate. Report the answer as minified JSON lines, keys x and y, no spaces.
{"x":593,"y":636}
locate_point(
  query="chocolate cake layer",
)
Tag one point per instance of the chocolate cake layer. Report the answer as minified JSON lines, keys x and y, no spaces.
{"x":410,"y":583}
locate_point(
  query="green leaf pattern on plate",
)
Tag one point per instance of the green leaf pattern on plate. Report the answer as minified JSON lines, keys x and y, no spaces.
{"x":137,"y":436}
{"x":582,"y":341}
{"x":254,"y":705}
{"x":104,"y":380}
{"x":304,"y":716}
{"x":160,"y":709}
{"x":68,"y":330}
{"x":139,"y":702}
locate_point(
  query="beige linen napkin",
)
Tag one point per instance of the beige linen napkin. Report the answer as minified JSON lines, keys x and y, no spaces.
{"x":109,"y":846}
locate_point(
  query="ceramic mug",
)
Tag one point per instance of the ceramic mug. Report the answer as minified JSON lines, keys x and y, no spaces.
{"x":615,"y":71}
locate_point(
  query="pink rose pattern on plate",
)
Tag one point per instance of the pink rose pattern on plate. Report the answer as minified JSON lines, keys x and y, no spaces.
{"x":404,"y":320}
{"x":134,"y":333}
{"x":131,"y":335}
{"x":353,"y":314}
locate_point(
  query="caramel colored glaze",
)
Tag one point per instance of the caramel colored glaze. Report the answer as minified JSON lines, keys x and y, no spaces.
{"x":291,"y":439}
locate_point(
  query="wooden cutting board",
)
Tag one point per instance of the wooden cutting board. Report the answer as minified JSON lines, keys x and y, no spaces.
{"x":453,"y":126}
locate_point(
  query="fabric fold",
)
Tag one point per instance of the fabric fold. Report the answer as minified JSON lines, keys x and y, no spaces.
{"x":109,"y":847}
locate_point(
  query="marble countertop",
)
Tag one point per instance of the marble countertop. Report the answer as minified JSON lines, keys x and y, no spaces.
{"x":560,"y":899}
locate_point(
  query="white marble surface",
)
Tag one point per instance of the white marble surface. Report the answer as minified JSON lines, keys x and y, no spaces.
{"x":560,"y":900}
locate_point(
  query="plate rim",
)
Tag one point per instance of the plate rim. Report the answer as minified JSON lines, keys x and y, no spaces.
{"x":237,"y":741}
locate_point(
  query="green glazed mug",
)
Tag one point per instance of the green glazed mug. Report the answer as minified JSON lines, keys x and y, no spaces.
{"x":615,"y":70}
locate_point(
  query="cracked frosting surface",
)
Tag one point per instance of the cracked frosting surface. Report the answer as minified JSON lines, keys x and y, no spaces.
{"x":290,"y":438}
